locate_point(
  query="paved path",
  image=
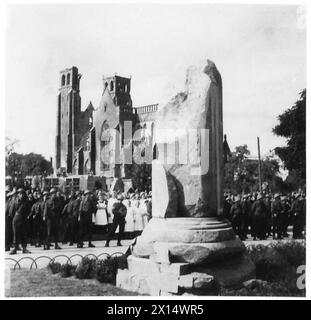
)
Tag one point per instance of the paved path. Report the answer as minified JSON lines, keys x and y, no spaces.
{"x":42,"y":257}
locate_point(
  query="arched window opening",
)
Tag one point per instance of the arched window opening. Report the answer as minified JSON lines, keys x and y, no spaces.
{"x":63,"y":80}
{"x":111,"y":85}
{"x":68,"y":79}
{"x":106,"y":84}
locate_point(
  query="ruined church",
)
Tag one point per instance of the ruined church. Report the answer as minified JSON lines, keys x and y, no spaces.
{"x":81,"y":136}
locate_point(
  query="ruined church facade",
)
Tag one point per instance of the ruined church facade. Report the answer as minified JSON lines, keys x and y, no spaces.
{"x":93,"y":141}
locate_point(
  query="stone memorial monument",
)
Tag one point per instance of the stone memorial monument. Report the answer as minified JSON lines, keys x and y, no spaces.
{"x":187,"y":247}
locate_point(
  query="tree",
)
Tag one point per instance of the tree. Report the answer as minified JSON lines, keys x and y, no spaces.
{"x":27,"y":165}
{"x":242,"y":175}
{"x":292,"y":126}
{"x":235,"y":170}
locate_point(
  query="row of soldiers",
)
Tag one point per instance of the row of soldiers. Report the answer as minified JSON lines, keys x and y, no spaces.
{"x":47,"y":214}
{"x":265,"y":215}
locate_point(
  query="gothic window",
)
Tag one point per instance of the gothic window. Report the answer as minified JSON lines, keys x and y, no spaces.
{"x":105,"y":142}
{"x":119,"y":87}
{"x":111,"y":85}
{"x":106,"y":84}
{"x":90,"y":121}
{"x":63,"y":80}
{"x":68,"y":78}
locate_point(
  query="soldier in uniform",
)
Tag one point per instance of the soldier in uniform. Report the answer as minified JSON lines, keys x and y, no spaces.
{"x":67,"y":217}
{"x":19,"y":222}
{"x":8,"y":221}
{"x":45,"y":195}
{"x":236,"y":214}
{"x":276,"y":210}
{"x":74,"y":213}
{"x":50,"y":219}
{"x":60,"y":204}
{"x":36,"y":215}
{"x":30,"y":223}
{"x":246,"y":221}
{"x":258,"y":218}
{"x":297,"y":211}
{"x":119,"y":213}
{"x":85,"y":223}
{"x":227,"y":207}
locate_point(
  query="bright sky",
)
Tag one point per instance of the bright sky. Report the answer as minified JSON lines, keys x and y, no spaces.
{"x":260,"y":51}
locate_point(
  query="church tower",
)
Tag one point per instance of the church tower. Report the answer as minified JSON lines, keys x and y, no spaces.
{"x":68,"y":112}
{"x":119,"y":89}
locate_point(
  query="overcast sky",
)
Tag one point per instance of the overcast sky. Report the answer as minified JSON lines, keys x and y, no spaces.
{"x":260,"y":51}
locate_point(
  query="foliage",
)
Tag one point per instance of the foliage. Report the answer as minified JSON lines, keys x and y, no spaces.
{"x":293,"y":251}
{"x":107,"y":269}
{"x":67,"y":270}
{"x":103,"y":270}
{"x":28,"y":164}
{"x":277,"y":263}
{"x":86,"y":269}
{"x":241,"y":173}
{"x":285,"y":288}
{"x":55,"y":267}
{"x":9,"y":146}
{"x":292,"y":126}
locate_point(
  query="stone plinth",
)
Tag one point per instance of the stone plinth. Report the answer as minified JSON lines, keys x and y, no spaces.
{"x":179,"y":256}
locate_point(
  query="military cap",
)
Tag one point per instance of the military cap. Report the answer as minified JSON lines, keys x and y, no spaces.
{"x":87,"y":191}
{"x":53,"y":190}
{"x":20,"y":190}
{"x":45,"y":193}
{"x":277,"y":195}
{"x":237,"y":198}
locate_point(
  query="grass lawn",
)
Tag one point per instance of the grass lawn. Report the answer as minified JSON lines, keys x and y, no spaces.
{"x":42,"y":283}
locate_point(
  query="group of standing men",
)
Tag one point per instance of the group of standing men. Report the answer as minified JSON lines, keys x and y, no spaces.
{"x":44,"y":215}
{"x":266,"y":215}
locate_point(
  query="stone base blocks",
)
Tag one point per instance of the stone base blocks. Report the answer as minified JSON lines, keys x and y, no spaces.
{"x":183,"y":256}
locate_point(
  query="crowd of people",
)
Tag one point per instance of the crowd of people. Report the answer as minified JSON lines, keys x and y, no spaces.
{"x":43,"y":219}
{"x":265,"y":214}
